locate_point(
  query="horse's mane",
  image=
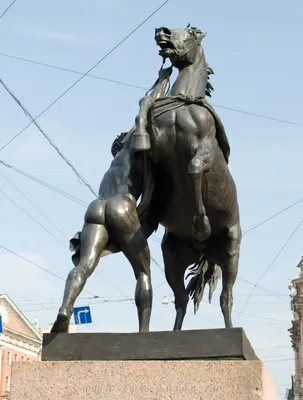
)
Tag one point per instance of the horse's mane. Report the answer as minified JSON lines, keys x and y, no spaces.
{"x":209,"y":86}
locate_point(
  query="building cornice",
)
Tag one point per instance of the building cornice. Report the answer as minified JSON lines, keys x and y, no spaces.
{"x":20,"y":336}
{"x":20,"y":344}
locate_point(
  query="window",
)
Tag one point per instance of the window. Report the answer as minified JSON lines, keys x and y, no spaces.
{"x":9,"y":358}
{"x":7,"y":384}
{"x":16,"y":357}
{"x":22,"y":358}
{"x":28,"y":359}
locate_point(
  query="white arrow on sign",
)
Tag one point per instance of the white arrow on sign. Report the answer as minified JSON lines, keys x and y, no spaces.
{"x":81,"y":312}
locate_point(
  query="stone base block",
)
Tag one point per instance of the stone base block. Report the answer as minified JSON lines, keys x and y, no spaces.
{"x":137,"y":380}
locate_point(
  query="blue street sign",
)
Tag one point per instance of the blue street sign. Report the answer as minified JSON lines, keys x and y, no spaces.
{"x":82,"y":315}
{"x":1,"y":327}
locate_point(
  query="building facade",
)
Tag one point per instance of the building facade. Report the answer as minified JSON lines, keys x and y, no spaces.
{"x":296,"y":333}
{"x":19,"y":341}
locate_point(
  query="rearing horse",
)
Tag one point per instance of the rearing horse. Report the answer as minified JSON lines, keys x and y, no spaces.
{"x":194,"y":189}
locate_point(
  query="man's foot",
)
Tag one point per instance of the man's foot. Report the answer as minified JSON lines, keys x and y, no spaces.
{"x":61,"y":324}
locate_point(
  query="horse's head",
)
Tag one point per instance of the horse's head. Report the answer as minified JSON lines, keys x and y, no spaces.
{"x":179,"y":45}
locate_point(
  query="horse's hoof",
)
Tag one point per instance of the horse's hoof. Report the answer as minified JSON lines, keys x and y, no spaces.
{"x":61,"y":324}
{"x":201,"y":229}
{"x":140,"y":141}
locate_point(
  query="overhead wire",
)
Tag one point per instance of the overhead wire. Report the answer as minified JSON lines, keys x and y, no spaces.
{"x":265,"y":290}
{"x":248,"y":314}
{"x":47,"y":185}
{"x":101,"y":274}
{"x":35,"y":207}
{"x":48,"y":138}
{"x":6,"y":10}
{"x":4,"y":291}
{"x":143,"y":88}
{"x":105,"y":301}
{"x":87,"y":72}
{"x":33,"y":263}
{"x":33,"y":218}
{"x":259,"y":115}
{"x":273,"y":216}
{"x":272,"y":348}
{"x":39,"y":266}
{"x":73,"y":71}
{"x":270,"y":265}
{"x":157,"y":264}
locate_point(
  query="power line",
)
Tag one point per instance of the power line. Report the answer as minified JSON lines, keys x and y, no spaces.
{"x":101,"y":275}
{"x":3,"y":291}
{"x":161,"y":284}
{"x":155,"y":239}
{"x":33,"y":218}
{"x":33,"y":263}
{"x":270,"y":265}
{"x":273,"y":216}
{"x":157,"y":264}
{"x":38,"y":266}
{"x":73,"y":71}
{"x":104,"y":301}
{"x":86,"y":73}
{"x":141,"y":87}
{"x":6,"y":10}
{"x":43,"y":183}
{"x":272,"y":348}
{"x":251,"y":315}
{"x":35,"y":207}
{"x":259,"y":115}
{"x":264,"y":289}
{"x":47,"y":137}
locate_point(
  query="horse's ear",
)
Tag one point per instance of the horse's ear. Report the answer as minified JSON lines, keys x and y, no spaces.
{"x":202,"y":35}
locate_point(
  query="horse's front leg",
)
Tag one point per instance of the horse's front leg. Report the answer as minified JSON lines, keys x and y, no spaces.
{"x":198,"y":165}
{"x":141,"y":140}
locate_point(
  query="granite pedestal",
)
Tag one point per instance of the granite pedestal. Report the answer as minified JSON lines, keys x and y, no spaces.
{"x":217,"y":364}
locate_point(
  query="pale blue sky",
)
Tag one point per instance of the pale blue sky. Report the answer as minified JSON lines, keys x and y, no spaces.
{"x":255,"y":51}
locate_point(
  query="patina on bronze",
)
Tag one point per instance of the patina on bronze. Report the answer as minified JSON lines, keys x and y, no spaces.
{"x":176,"y":159}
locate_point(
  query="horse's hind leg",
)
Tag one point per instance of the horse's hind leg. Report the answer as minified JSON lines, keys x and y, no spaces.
{"x":124,"y":224}
{"x":229,"y":272}
{"x":177,"y":257}
{"x":94,"y":238}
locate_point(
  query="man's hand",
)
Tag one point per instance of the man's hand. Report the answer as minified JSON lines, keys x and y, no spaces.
{"x":165,"y":73}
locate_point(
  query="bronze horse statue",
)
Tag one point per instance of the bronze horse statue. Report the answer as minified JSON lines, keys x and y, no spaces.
{"x":176,"y":159}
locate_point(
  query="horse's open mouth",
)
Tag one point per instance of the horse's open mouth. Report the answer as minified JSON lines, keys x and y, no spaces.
{"x":167,"y":48}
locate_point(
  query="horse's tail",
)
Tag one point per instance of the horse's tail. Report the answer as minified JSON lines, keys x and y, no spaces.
{"x":204,"y":272}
